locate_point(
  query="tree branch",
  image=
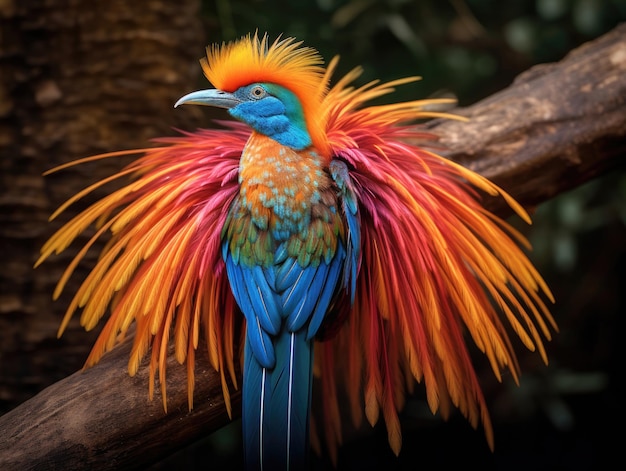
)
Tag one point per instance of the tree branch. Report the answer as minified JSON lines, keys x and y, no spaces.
{"x":556,"y":127}
{"x":101,"y":418}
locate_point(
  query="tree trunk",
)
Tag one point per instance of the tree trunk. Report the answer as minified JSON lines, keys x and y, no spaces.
{"x":76,"y":78}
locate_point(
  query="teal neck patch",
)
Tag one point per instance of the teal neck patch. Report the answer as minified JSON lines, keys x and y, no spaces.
{"x":273,"y":111}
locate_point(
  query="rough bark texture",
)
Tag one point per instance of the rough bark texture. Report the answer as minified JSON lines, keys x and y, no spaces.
{"x":557,"y":126}
{"x":102,"y":419}
{"x":77,"y":78}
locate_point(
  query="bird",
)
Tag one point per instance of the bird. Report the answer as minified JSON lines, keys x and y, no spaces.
{"x":314,"y":237}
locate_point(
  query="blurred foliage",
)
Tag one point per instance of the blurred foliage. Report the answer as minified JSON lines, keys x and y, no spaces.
{"x":470,"y":47}
{"x":474,"y":48}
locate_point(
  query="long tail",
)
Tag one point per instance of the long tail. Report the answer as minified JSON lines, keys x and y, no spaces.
{"x":276,"y":404}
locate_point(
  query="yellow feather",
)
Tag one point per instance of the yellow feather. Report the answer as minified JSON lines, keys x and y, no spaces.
{"x":212,"y":331}
{"x":181,"y":330}
{"x":372,"y":409}
{"x":81,"y":194}
{"x":191,"y":380}
{"x":394,"y":432}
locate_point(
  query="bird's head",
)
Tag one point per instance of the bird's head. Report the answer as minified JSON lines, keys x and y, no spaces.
{"x":277,"y":89}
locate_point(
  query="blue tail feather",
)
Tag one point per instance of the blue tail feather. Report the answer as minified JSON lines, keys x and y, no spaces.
{"x":276,"y":405}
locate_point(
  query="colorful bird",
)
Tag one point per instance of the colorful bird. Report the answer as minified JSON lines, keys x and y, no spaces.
{"x":356,"y":256}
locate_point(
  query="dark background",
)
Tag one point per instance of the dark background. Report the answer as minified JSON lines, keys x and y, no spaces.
{"x":568,"y":415}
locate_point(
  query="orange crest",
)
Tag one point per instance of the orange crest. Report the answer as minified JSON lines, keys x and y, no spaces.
{"x":283,"y":62}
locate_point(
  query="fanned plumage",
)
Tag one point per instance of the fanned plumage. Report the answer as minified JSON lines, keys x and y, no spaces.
{"x":436,"y":263}
{"x":414,"y":266}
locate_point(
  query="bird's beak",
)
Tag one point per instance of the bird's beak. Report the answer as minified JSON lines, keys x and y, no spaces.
{"x":211,"y":97}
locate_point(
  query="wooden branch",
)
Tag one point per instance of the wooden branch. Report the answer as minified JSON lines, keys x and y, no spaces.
{"x":556,"y":127}
{"x":101,"y":418}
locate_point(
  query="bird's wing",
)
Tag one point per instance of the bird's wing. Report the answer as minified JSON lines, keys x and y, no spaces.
{"x":295,"y":289}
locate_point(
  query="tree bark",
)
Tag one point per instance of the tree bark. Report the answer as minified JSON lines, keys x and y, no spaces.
{"x":101,"y":418}
{"x":77,"y":78}
{"x":556,"y":127}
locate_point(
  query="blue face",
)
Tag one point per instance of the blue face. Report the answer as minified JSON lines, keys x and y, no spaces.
{"x":273,"y":111}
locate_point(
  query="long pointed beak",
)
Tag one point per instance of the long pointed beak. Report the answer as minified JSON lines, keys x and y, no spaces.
{"x":211,"y":97}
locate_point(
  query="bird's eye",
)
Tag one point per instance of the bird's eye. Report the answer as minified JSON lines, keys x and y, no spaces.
{"x":257,"y":92}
